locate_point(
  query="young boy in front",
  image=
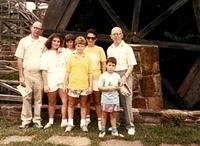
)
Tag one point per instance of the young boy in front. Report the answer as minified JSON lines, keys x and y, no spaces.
{"x":109,"y":85}
{"x":79,"y":83}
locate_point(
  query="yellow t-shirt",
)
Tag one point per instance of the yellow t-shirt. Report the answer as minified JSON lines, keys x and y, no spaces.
{"x":97,"y":55}
{"x":79,"y":67}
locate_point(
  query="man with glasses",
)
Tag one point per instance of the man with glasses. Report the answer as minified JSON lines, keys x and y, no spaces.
{"x":28,"y":55}
{"x":125,"y":62}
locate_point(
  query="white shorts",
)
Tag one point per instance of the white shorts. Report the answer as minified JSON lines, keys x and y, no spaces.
{"x":77,"y":93}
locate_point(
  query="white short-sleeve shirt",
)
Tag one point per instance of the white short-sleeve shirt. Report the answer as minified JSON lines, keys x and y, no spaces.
{"x":30,"y":50}
{"x":124,"y":55}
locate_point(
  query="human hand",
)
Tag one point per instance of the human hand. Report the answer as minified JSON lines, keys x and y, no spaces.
{"x":46,"y":88}
{"x":22,"y":81}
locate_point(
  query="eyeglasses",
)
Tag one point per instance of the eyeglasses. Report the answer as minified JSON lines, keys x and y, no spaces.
{"x":92,"y":38}
{"x":37,"y":28}
{"x":117,"y":34}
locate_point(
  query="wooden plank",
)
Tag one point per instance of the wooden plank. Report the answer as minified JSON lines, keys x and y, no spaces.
{"x":10,"y":82}
{"x":68,"y":14}
{"x":54,"y":13}
{"x":136,"y":15}
{"x":149,"y":27}
{"x":173,"y":94}
{"x":113,"y":15}
{"x":187,"y":83}
{"x":11,"y":98}
{"x":196,"y":6}
{"x":10,"y":88}
{"x":173,"y":45}
{"x":12,"y":68}
{"x":193,"y":94}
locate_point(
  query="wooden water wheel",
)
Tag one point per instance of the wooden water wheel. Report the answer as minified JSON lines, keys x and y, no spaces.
{"x":172,"y":25}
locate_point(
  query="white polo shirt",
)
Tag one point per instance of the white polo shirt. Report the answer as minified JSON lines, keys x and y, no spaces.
{"x":123,"y":54}
{"x":30,"y":50}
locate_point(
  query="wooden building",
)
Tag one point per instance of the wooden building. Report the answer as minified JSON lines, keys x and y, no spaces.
{"x":164,"y":36}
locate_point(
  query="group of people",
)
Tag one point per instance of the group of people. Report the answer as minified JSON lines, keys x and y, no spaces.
{"x":76,"y":70}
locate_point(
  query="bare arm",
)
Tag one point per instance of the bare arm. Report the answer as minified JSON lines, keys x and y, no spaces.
{"x":44,"y":76}
{"x":90,"y":83}
{"x":103,"y":66}
{"x":125,"y":76}
{"x":108,"y":88}
{"x":21,"y":70}
{"x":66,"y":81}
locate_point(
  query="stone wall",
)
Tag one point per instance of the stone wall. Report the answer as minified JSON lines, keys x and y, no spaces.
{"x":147,"y":91}
{"x":147,"y":116}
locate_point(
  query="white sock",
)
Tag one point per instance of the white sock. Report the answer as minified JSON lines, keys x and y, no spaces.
{"x":71,"y":122}
{"x":64,"y":121}
{"x":51,"y":120}
{"x":83,"y":122}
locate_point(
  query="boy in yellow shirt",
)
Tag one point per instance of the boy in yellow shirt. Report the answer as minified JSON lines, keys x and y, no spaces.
{"x":78,"y":82}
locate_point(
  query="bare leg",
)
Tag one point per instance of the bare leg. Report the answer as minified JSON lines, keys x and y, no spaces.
{"x":64,"y":100}
{"x":52,"y":103}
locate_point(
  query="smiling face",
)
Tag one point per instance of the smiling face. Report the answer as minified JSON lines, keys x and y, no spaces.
{"x":70,"y":44}
{"x":55,"y":43}
{"x":36,"y":29}
{"x":80,"y":48}
{"x":91,"y":39}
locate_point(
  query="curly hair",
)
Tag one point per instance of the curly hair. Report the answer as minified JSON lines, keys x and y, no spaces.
{"x":51,"y":37}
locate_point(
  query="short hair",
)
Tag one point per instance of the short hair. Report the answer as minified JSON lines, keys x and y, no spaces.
{"x":69,"y":37}
{"x":93,"y":31}
{"x":80,"y":40}
{"x":48,"y":43}
{"x":112,"y":60}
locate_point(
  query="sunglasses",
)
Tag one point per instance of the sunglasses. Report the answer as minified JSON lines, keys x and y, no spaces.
{"x":92,"y":38}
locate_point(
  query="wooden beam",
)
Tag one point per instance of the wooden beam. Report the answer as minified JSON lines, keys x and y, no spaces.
{"x":188,"y":81}
{"x":11,"y":98}
{"x":149,"y":27}
{"x":113,"y":15}
{"x":10,"y":88}
{"x":10,"y":82}
{"x":173,"y":94}
{"x":196,"y":6}
{"x":68,"y":12}
{"x":136,"y":15}
{"x":54,"y":13}
{"x":172,"y":45}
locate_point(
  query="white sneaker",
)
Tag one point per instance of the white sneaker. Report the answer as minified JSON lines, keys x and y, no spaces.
{"x":63,"y":124}
{"x":84,"y":128}
{"x":102,"y":134}
{"x":131,"y":131}
{"x":110,"y":129}
{"x":48,"y":125}
{"x":115,"y":133}
{"x":69,"y":128}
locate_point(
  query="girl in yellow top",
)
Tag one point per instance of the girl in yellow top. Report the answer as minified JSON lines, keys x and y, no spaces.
{"x":78,"y":82}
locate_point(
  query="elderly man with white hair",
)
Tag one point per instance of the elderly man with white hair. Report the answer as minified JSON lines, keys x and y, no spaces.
{"x":125,"y":62}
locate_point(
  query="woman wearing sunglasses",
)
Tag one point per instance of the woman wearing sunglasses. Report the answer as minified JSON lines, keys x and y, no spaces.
{"x":98,"y":58}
